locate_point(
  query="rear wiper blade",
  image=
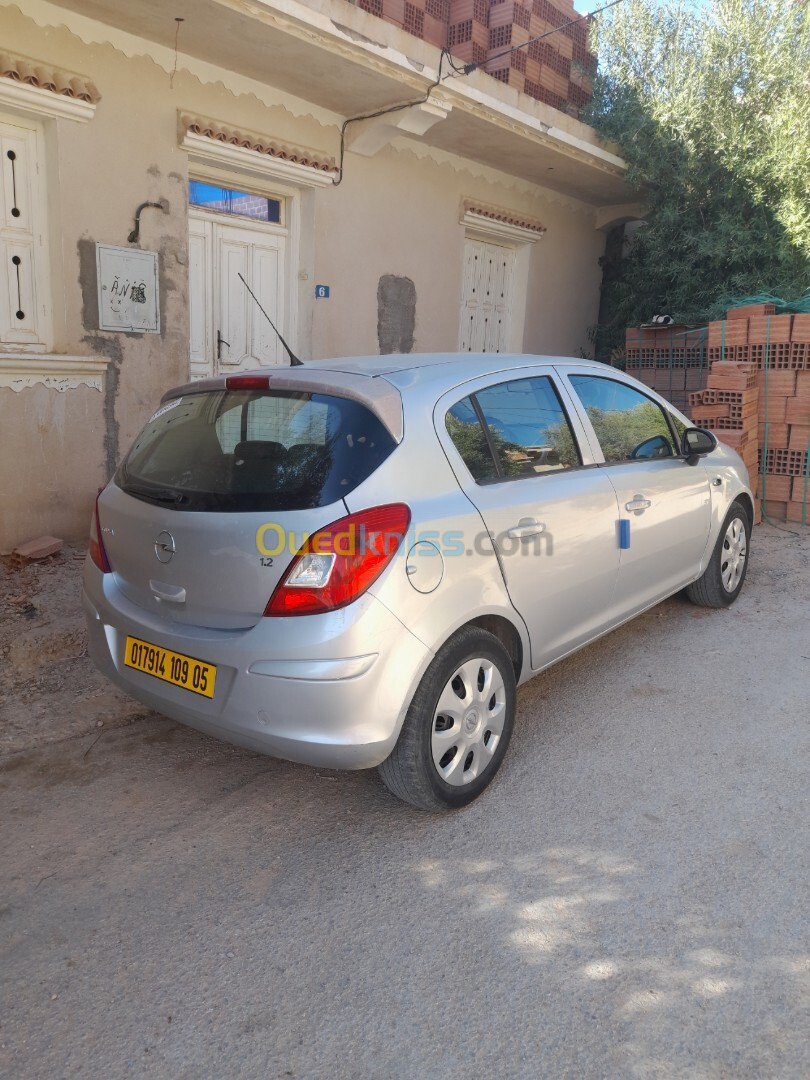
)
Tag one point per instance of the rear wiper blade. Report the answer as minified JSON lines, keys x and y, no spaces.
{"x":164,"y":495}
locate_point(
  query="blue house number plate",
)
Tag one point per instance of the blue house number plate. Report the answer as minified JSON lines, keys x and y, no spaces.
{"x":321,"y":292}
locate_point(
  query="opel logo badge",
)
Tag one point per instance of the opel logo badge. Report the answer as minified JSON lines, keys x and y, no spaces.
{"x":164,"y":547}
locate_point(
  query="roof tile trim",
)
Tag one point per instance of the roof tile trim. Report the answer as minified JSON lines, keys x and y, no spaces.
{"x":261,"y":144}
{"x":507,"y":217}
{"x":44,"y":77}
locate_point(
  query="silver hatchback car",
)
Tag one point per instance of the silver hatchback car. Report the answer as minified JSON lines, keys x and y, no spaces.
{"x":354,"y":563}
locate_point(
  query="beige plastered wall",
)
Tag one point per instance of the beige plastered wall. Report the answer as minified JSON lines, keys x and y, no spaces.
{"x":395,"y":213}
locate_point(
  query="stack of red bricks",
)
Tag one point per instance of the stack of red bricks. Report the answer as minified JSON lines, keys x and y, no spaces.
{"x":668,"y":359}
{"x":775,"y":349}
{"x":729,"y":406}
{"x":558,"y":70}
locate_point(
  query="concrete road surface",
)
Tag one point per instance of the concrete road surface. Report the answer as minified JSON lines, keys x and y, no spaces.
{"x":629,"y":899}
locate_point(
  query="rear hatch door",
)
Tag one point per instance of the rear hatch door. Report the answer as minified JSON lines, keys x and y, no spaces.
{"x":204,"y":569}
{"x":220,"y":491}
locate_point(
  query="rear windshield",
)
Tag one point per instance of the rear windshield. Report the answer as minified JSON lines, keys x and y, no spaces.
{"x":254,"y":450}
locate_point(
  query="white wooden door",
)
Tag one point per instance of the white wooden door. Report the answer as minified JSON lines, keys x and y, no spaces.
{"x":228,"y":331}
{"x":486,"y":297}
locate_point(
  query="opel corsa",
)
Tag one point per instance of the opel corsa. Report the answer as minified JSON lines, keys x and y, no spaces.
{"x":354,"y":563}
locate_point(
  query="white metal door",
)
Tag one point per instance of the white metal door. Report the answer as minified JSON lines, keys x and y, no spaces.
{"x":228,"y":331}
{"x":486,"y":297}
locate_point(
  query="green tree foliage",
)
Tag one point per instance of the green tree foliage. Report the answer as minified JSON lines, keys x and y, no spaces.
{"x":471,"y":443}
{"x":621,"y":431}
{"x":710,"y":106}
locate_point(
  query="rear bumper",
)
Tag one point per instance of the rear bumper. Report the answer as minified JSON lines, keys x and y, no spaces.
{"x":327,"y":690}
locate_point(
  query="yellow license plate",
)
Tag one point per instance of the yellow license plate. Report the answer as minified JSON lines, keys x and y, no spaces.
{"x":171,"y":667}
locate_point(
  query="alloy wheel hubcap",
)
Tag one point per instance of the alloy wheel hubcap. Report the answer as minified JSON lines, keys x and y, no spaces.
{"x":468,"y":722}
{"x":735,"y":551}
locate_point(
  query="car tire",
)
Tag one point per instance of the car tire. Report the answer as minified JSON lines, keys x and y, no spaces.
{"x":458,"y":725}
{"x":721,"y":581}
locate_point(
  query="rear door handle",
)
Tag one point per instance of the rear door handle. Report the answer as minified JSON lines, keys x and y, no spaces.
{"x":638,"y":502}
{"x":175,"y":594}
{"x":525,"y":528}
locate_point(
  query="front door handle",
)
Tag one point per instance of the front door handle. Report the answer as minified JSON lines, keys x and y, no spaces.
{"x":638,"y":503}
{"x":525,"y":528}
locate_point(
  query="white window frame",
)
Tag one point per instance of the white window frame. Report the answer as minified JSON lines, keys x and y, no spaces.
{"x":22,"y":365}
{"x":41,"y":251}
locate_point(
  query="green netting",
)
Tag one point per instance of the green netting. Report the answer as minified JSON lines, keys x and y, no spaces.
{"x":801,"y":306}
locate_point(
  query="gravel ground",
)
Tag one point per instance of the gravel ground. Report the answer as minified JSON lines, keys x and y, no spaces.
{"x":629,"y":899}
{"x":49,"y":688}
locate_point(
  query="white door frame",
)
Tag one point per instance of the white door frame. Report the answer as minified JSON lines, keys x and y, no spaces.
{"x":290,"y":226}
{"x":520,"y":241}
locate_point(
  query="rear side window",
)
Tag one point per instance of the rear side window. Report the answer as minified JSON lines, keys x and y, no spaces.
{"x":526,"y":434}
{"x":254,"y":450}
{"x":469,"y":438}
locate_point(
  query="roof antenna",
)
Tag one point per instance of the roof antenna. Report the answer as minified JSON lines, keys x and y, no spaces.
{"x":294,"y":361}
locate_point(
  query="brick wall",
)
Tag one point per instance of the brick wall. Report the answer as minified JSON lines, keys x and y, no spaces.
{"x":557,"y":70}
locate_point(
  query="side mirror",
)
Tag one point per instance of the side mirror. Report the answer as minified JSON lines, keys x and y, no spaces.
{"x":658,"y":446}
{"x":696,"y":443}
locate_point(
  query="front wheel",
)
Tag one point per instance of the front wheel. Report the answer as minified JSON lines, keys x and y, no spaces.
{"x":723,"y":578}
{"x":458,"y":725}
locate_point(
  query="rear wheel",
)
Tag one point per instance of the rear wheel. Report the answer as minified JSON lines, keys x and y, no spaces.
{"x":723,"y":578}
{"x":458,"y":725}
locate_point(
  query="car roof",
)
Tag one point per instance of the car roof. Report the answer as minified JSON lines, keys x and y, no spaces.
{"x":380,"y":381}
{"x":410,"y":370}
{"x":444,"y":364}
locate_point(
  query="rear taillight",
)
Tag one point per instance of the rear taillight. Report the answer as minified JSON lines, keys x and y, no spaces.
{"x":338,"y":563}
{"x":97,"y":552}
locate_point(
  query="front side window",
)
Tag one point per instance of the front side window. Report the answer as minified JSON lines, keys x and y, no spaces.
{"x":527,"y":432}
{"x":628,"y":425}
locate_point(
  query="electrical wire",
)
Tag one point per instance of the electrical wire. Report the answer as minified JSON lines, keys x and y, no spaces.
{"x":384,"y":112}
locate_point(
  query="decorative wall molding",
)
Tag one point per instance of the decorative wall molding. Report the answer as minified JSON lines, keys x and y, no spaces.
{"x":21,"y":370}
{"x":89,"y":31}
{"x":211,"y":143}
{"x":43,"y":102}
{"x":499,"y":223}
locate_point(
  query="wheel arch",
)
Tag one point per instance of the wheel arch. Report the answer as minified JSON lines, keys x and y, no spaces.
{"x":507,"y":633}
{"x":746,"y":500}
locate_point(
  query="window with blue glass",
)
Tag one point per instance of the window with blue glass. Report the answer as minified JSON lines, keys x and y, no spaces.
{"x":230,"y":201}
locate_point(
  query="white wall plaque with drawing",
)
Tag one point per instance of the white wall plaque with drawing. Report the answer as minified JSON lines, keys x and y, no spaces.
{"x":128,"y":298}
